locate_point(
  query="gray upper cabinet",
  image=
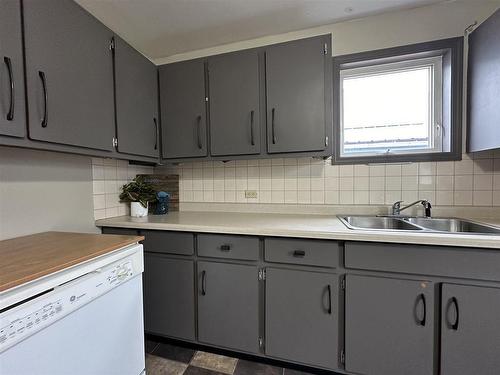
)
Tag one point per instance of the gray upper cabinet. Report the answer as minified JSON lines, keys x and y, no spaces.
{"x":470,"y":333}
{"x":302,"y":313}
{"x":12,"y":103}
{"x":183,"y":109}
{"x":69,"y":75}
{"x":136,"y":91}
{"x":484,"y":86}
{"x":298,"y":84}
{"x":389,"y":326}
{"x":234,"y":103}
{"x":169,"y":297}
{"x":228,"y":306}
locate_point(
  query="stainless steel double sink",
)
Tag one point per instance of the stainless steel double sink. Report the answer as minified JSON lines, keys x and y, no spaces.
{"x":418,"y":224}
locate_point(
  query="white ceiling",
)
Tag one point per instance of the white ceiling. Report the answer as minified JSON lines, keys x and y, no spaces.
{"x":160,"y":28}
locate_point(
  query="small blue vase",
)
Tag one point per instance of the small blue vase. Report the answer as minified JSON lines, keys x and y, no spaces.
{"x":163,"y":200}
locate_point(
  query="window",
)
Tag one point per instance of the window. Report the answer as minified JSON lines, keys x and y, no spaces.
{"x":391,"y":108}
{"x":398,"y":107}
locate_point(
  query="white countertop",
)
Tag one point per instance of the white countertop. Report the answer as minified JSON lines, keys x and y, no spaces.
{"x":292,"y":225}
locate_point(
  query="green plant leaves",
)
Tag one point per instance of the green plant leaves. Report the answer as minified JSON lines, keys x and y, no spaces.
{"x":138,"y":191}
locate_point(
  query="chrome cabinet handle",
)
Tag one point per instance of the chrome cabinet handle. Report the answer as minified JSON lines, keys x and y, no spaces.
{"x":8,"y":63}
{"x":45,"y":99}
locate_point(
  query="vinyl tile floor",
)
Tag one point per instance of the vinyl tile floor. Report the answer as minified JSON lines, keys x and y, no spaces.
{"x":168,"y":359}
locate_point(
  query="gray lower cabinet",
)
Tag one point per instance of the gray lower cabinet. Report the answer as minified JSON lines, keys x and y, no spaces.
{"x":12,"y":102}
{"x":470,"y":333}
{"x":169,"y":296}
{"x":389,"y":326}
{"x":136,"y":93}
{"x":302,"y":317}
{"x":183,"y":109}
{"x":234,"y":103}
{"x":228,"y":306}
{"x":373,"y":325}
{"x":484,"y":86}
{"x":299,"y":95}
{"x":69,"y":75}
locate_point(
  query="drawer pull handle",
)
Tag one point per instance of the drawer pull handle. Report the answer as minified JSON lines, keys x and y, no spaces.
{"x":329,"y":299}
{"x":299,"y":253}
{"x":203,"y":280}
{"x":421,"y":301}
{"x":453,"y":325}
{"x":225,"y":247}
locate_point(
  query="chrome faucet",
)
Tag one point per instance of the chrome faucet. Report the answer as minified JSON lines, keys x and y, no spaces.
{"x":396,"y":207}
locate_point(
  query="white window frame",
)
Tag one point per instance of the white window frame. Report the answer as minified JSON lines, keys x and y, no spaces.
{"x":435,"y":105}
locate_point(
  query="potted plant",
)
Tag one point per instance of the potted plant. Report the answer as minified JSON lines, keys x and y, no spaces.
{"x":139,"y":194}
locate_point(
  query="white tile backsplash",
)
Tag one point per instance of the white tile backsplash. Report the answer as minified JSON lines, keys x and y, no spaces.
{"x":109,"y":175}
{"x":473,"y":181}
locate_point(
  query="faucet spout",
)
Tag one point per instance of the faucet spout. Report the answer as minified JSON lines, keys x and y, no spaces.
{"x":396,"y":207}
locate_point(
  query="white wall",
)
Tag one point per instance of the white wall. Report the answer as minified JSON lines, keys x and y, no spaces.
{"x":443,"y":20}
{"x":41,"y":191}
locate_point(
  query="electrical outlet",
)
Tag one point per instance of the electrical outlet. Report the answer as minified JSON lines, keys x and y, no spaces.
{"x":251,"y":194}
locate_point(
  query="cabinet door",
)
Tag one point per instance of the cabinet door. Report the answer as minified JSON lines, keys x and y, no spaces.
{"x":12,"y":104}
{"x":69,"y":73}
{"x":484,"y":85}
{"x":296,"y":95}
{"x":136,"y":94}
{"x":302,"y":313}
{"x":470,"y":333}
{"x":389,"y":326}
{"x":169,"y":297}
{"x":234,"y":103}
{"x":228,"y":306}
{"x":183,"y":109}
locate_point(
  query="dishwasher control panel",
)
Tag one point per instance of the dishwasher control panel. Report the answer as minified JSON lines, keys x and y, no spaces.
{"x":21,"y":321}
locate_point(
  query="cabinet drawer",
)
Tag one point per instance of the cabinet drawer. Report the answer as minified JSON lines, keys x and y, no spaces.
{"x":121,"y":231}
{"x":306,"y":252}
{"x":158,"y":241}
{"x":481,"y":264}
{"x":230,"y":247}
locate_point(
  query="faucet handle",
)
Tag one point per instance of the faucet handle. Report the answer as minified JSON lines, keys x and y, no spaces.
{"x":396,"y":207}
{"x":397,"y":204}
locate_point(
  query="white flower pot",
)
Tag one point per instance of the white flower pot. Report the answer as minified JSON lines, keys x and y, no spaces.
{"x":138,"y":210}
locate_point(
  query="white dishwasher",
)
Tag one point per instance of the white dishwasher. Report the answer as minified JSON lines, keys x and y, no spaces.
{"x":86,"y":320}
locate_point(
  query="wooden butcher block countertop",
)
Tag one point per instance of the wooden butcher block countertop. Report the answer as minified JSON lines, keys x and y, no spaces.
{"x":27,"y":258}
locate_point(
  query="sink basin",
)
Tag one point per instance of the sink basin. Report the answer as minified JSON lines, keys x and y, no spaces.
{"x":452,"y":225}
{"x":377,"y":223}
{"x":415,"y":224}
